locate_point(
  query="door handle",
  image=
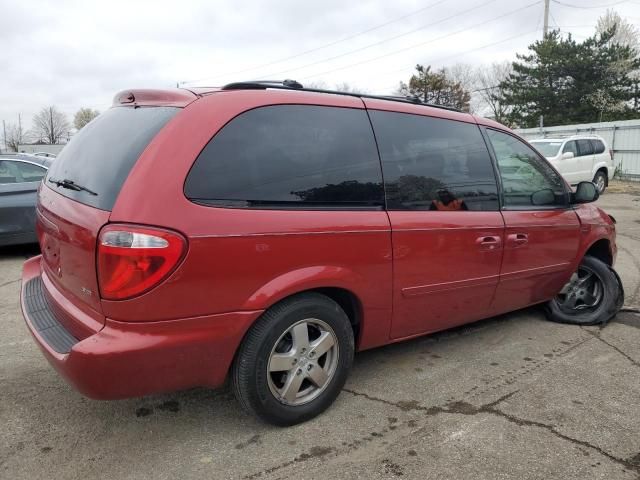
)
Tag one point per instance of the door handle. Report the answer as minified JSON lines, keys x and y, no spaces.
{"x":489,"y":242}
{"x":517,"y":239}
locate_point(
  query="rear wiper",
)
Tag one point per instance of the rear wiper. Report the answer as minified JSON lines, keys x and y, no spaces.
{"x":71,"y":185}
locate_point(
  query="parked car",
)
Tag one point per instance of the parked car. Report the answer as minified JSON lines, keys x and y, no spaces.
{"x":20,"y":177}
{"x":266,"y":232}
{"x":579,"y":158}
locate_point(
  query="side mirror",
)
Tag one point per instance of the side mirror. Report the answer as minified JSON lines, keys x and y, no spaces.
{"x":566,"y":155}
{"x":543,"y":197}
{"x":585,"y":192}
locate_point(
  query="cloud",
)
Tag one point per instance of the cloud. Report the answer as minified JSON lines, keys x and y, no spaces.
{"x":76,"y":54}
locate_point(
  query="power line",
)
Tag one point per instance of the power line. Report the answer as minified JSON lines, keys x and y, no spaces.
{"x":422,"y":43}
{"x":321,"y":47}
{"x":583,"y":7}
{"x":448,"y":57}
{"x":272,"y":75}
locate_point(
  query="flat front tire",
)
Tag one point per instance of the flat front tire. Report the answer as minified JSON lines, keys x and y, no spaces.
{"x":592,"y":295}
{"x":294,"y":360}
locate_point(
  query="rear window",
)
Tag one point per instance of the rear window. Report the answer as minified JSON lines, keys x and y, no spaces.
{"x":290,"y":156}
{"x":598,"y":146}
{"x":100,"y":156}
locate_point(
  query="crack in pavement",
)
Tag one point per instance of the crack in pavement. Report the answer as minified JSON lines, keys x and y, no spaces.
{"x":464,"y":408}
{"x":617,"y":349}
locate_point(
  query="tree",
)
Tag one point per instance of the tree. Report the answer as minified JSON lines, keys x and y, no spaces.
{"x":624,"y":33}
{"x":467,"y":76}
{"x":490,"y":79}
{"x":436,"y":88}
{"x":14,"y":136}
{"x":559,"y":78}
{"x":348,"y":88}
{"x":50,"y":125}
{"x":84,"y":116}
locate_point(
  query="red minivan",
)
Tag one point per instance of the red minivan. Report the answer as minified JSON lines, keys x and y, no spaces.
{"x":267,"y":231}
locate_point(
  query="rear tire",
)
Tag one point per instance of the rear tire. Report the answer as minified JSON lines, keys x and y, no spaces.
{"x":600,"y":181}
{"x":593,"y":295}
{"x":294,"y":360}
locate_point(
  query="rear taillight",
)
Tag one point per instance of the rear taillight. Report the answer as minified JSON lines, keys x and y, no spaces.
{"x":132,"y":260}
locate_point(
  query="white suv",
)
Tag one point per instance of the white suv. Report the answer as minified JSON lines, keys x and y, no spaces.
{"x":579,"y":158}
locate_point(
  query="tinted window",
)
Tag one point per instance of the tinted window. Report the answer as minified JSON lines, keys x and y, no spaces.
{"x":598,"y":146}
{"x":296,"y":156}
{"x":571,"y":147}
{"x":585,"y":147}
{"x":527,"y":179}
{"x":101,"y":155}
{"x":20,"y":172}
{"x":434,"y":164}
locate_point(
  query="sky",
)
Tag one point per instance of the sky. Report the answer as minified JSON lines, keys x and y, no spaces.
{"x":75,"y":54}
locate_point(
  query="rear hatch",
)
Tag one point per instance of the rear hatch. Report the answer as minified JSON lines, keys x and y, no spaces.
{"x":77,"y":196}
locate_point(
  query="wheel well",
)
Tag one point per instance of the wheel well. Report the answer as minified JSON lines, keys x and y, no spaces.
{"x":349,"y":303}
{"x":602,"y":251}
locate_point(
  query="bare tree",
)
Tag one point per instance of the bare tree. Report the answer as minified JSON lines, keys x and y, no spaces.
{"x":348,"y":88}
{"x":465,"y":74}
{"x":489,"y":87}
{"x":624,"y":33}
{"x":50,"y":125}
{"x":84,"y":116}
{"x":14,"y":136}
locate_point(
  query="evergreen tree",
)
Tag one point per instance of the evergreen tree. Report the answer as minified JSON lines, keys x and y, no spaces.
{"x":436,"y":88}
{"x":569,"y":82}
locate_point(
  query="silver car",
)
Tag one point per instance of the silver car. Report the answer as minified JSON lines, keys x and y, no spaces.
{"x":20,"y":176}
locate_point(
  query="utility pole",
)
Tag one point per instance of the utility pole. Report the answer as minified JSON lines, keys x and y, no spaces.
{"x":4,"y":131}
{"x":546,"y":18}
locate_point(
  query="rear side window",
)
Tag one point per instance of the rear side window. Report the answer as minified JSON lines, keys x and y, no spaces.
{"x":102,"y":154}
{"x":598,"y":146}
{"x":290,"y":156}
{"x":434,"y":164}
{"x":585,"y":147}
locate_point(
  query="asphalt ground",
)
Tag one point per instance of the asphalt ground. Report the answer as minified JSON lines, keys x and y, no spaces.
{"x":510,"y":397}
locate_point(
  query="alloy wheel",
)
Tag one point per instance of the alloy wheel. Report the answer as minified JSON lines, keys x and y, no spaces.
{"x":583,"y":291}
{"x":302,"y":362}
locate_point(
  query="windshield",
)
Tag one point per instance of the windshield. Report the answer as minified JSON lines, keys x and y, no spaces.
{"x":100,"y":156}
{"x":547,"y":149}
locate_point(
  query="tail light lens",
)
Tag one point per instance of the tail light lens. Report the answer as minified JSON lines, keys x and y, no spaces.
{"x":132,"y":260}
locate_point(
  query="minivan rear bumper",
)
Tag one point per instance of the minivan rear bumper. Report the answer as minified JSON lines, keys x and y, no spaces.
{"x":130,"y":359}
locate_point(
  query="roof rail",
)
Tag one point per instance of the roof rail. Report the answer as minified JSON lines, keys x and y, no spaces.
{"x":289,"y":84}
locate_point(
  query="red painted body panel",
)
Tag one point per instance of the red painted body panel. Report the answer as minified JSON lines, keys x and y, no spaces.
{"x":595,"y":225}
{"x":411,"y":272}
{"x":443,"y":275}
{"x":67,"y":232}
{"x":127,"y":359}
{"x":536,"y":269}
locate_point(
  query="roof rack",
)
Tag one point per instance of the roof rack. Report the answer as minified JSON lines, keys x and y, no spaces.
{"x":289,"y":84}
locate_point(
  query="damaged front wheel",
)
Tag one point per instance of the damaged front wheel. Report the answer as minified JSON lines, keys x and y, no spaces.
{"x":593,"y":295}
